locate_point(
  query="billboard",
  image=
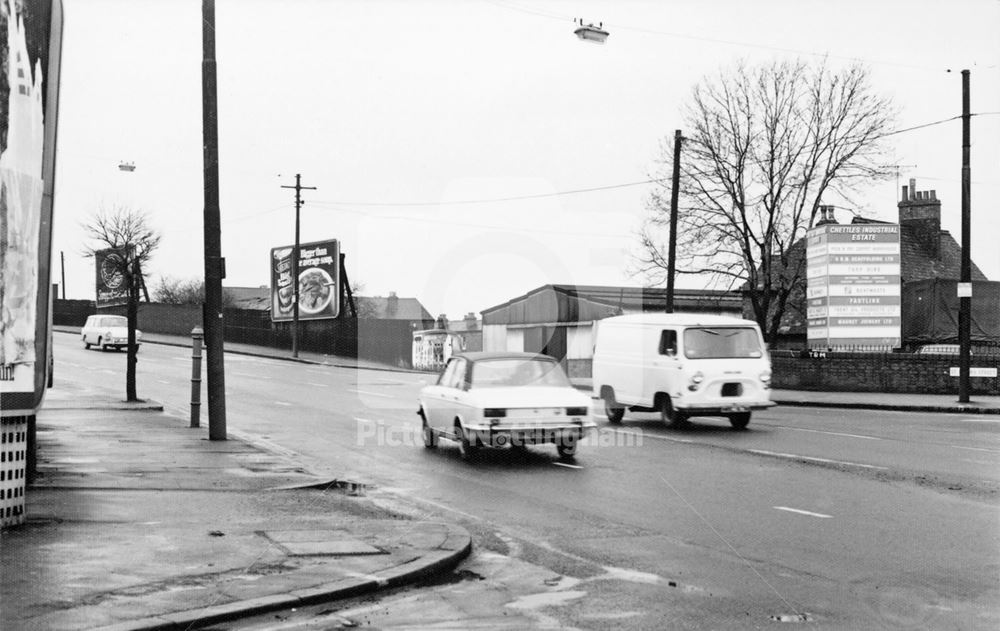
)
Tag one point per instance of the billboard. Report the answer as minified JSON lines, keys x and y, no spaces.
{"x":318,"y":282}
{"x":30,"y":38}
{"x":110,"y":284}
{"x":853,"y":293}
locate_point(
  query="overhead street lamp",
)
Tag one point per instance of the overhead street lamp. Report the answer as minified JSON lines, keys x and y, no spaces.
{"x":591,"y":33}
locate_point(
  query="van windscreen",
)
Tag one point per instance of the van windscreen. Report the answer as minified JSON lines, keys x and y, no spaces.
{"x":721,"y":342}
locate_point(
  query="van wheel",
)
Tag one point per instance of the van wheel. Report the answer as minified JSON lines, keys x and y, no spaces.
{"x":669,"y":414}
{"x":101,"y":346}
{"x":614,"y":411}
{"x":86,"y":344}
{"x":466,"y":447}
{"x":739,"y":421}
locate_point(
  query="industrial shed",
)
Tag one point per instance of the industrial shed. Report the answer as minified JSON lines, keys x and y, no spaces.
{"x":558,"y":320}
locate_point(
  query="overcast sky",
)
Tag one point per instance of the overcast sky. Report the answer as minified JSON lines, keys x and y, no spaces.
{"x":397,"y":110}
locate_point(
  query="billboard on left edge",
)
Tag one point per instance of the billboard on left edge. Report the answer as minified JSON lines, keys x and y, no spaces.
{"x":30,"y":39}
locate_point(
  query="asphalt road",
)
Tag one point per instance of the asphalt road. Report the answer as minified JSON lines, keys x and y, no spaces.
{"x":848,"y":519}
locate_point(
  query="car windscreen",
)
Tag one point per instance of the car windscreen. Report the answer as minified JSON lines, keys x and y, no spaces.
{"x":721,"y":342}
{"x":113,"y":321}
{"x":494,"y":373}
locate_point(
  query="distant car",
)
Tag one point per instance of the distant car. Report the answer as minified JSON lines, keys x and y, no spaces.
{"x":498,"y":399}
{"x":107,"y":331}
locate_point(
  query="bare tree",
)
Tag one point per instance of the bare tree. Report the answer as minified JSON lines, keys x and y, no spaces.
{"x":762,"y":147}
{"x":127,"y":231}
{"x":175,"y":291}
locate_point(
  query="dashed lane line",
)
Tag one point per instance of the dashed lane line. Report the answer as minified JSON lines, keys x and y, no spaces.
{"x":820,"y":431}
{"x":284,"y":403}
{"x":370,"y":393}
{"x":803,"y":512}
{"x":567,"y":465}
{"x":776,"y":454}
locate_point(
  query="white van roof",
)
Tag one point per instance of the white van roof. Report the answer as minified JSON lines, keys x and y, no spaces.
{"x":680,"y":319}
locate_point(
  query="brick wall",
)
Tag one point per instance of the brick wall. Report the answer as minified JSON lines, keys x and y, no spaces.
{"x":878,"y":372}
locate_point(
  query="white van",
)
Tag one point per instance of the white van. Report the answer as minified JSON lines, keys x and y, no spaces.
{"x":681,"y":365}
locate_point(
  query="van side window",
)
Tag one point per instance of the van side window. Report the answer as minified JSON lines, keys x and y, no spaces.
{"x":668,"y":343}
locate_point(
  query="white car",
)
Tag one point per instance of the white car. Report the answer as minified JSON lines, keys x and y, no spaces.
{"x":107,"y":331}
{"x":500,"y":399}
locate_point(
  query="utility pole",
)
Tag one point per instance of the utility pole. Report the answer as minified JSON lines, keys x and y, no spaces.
{"x":62,"y":266}
{"x":671,"y":252}
{"x":295,"y":263}
{"x":214,"y":263}
{"x":965,"y":296}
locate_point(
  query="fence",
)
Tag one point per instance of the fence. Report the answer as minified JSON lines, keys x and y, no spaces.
{"x":880,"y":372}
{"x":384,"y":341}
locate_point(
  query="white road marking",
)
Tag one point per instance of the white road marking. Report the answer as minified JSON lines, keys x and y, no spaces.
{"x":803,"y":512}
{"x":989,"y":451}
{"x":819,"y":431}
{"x":644,"y":435}
{"x":567,"y":465}
{"x":374,"y":394}
{"x":812,"y":459}
{"x":318,"y":385}
{"x":162,"y":381}
{"x":285,"y":403}
{"x":980,"y":420}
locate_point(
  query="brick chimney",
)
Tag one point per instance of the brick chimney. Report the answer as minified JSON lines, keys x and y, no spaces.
{"x":392,"y":304}
{"x":826,"y":216}
{"x":471,"y":322}
{"x":920,"y":212}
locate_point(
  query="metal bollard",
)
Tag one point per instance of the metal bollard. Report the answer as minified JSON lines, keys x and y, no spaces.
{"x":197,"y":335}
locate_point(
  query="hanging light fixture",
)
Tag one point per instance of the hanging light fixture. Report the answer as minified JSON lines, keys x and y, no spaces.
{"x":589,"y":32}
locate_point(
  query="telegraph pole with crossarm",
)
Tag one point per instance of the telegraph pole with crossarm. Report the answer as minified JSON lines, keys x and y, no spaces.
{"x":295,"y":262}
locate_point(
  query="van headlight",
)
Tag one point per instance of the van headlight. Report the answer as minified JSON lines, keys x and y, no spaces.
{"x":695,"y":381}
{"x":765,"y":378}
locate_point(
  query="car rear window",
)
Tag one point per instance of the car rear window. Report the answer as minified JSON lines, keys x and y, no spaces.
{"x":113,"y":321}
{"x":493,"y":373}
{"x":721,"y":342}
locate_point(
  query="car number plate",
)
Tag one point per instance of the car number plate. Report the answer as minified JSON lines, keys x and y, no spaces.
{"x":738,"y":408}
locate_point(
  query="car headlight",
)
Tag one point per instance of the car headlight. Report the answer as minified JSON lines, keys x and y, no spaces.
{"x":765,"y":378}
{"x":109,"y":334}
{"x":695,"y":381}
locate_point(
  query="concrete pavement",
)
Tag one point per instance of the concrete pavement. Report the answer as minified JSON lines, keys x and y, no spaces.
{"x":136,"y":521}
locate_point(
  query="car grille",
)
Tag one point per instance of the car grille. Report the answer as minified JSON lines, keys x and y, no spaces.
{"x":732,"y":389}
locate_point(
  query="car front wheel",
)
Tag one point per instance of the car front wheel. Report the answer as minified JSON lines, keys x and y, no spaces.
{"x":430,"y":439}
{"x":86,"y":344}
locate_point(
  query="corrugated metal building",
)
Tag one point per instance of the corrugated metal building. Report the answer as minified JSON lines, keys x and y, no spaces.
{"x":558,"y":320}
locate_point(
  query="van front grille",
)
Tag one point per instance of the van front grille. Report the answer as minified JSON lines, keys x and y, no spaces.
{"x":732,"y":389}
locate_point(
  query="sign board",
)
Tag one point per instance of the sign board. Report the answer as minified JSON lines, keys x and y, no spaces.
{"x":853,"y":283}
{"x":964,"y":290}
{"x":30,"y":41}
{"x":111,"y":286}
{"x":974,"y":371}
{"x":319,"y":281}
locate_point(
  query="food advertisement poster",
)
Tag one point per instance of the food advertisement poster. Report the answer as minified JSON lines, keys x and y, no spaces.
{"x":111,"y":286}
{"x":30,"y":35}
{"x":318,"y":282}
